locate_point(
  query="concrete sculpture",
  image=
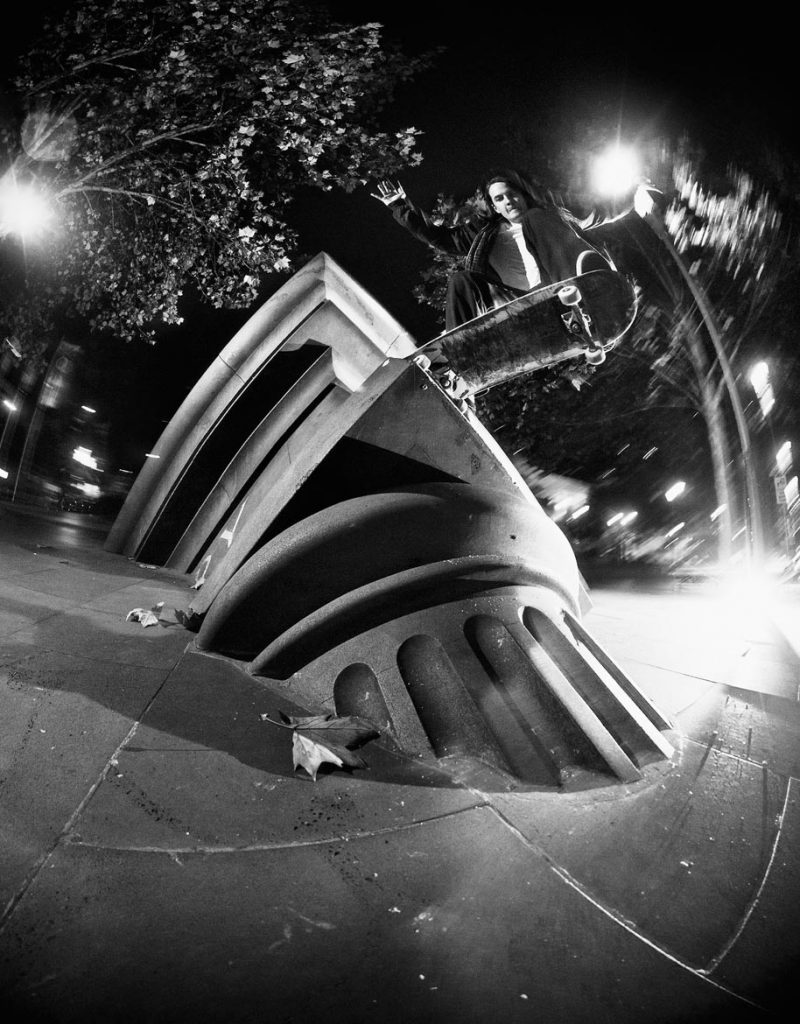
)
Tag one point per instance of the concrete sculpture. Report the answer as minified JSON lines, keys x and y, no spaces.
{"x":367,"y":545}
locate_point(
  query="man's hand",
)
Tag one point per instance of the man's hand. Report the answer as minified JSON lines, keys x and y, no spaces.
{"x":388,"y":193}
{"x":648,"y":200}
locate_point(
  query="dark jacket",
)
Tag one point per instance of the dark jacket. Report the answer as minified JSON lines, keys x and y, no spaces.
{"x":555,"y":243}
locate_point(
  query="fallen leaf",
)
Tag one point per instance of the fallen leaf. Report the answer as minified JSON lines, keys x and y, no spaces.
{"x":319,"y":739}
{"x":145,"y":616}
{"x":310,"y":755}
{"x":189,"y":620}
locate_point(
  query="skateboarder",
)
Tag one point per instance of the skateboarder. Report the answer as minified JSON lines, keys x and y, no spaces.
{"x":526,"y":241}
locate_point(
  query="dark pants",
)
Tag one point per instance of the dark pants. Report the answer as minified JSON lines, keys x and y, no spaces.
{"x":470,"y":294}
{"x":559,"y":251}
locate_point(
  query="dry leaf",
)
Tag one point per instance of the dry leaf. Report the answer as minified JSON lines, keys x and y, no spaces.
{"x":324,"y":738}
{"x":310,"y":755}
{"x":189,"y":620}
{"x":145,"y":616}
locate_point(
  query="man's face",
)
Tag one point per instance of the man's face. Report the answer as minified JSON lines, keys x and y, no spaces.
{"x":508,"y":201}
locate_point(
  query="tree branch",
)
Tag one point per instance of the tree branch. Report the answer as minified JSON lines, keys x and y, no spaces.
{"x":107,"y":59}
{"x":139,"y":148}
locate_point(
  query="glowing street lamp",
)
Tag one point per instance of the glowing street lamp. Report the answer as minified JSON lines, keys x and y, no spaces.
{"x":24,"y":210}
{"x":616,"y":171}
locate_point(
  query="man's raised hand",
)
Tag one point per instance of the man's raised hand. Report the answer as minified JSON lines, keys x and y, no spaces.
{"x":388,"y":193}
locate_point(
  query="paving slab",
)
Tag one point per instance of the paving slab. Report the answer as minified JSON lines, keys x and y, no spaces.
{"x":17,"y":560}
{"x":23,"y":608}
{"x":163,"y":861}
{"x":78,"y":586}
{"x":702,"y":637}
{"x":758,"y":727}
{"x":108,"y":637}
{"x":450,"y":921}
{"x":63,"y":717}
{"x":203,"y":770}
{"x":696,"y":835}
{"x":762,"y":958}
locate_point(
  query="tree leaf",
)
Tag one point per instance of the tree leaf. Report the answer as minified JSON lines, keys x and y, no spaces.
{"x":186,"y":190}
{"x":145,"y":616}
{"x":310,"y":754}
{"x":348,"y":731}
{"x":319,"y":739}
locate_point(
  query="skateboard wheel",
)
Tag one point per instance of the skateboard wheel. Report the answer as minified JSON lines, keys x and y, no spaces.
{"x":569,"y":295}
{"x":595,"y":356}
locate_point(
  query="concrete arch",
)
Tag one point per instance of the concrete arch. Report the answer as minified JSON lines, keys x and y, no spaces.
{"x":321,"y":305}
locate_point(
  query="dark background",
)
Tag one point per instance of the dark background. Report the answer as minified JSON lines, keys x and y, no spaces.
{"x":508,"y":73}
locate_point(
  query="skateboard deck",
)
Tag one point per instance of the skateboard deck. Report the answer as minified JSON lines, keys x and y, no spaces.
{"x":582,"y":316}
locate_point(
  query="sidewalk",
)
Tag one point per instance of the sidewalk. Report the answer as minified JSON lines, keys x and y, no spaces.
{"x":161,"y":861}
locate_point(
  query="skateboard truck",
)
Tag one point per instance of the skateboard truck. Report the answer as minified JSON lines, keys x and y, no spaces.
{"x":578,"y":321}
{"x":449,"y":381}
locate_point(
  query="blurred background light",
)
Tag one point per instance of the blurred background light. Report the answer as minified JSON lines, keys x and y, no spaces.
{"x":675,"y":490}
{"x":759,"y":378}
{"x":783,"y":457}
{"x":85,"y":457}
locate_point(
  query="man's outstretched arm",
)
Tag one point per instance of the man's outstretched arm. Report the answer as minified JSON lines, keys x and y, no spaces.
{"x":454,"y":240}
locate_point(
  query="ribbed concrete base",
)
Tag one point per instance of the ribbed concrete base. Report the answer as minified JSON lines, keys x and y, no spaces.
{"x":508,"y":677}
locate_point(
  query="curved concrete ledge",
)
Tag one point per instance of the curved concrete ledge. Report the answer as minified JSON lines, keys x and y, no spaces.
{"x":386,"y":599}
{"x":262,"y":440}
{"x":284,"y":320}
{"x":365,"y":540}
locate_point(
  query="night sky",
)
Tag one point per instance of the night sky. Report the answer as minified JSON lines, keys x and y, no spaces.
{"x":536,"y":71}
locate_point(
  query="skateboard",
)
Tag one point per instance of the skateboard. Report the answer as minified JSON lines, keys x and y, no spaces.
{"x":582,"y":316}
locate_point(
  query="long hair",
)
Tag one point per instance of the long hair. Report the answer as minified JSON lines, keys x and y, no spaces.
{"x":537,"y":194}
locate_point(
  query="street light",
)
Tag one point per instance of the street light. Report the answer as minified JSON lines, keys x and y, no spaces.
{"x":616,"y":171}
{"x":24,"y":210}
